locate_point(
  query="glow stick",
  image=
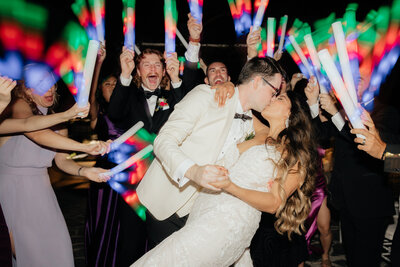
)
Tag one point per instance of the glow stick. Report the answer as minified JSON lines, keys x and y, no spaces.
{"x":129,"y":41}
{"x":301,"y":56}
{"x":83,"y":94}
{"x":315,"y":60}
{"x":126,"y":135}
{"x":340,"y":89}
{"x":260,"y":14}
{"x":129,"y":162}
{"x":181,"y":38}
{"x":137,"y":50}
{"x":99,"y":20}
{"x":170,"y":15}
{"x":128,"y":18}
{"x":344,"y":60}
{"x":282,"y":32}
{"x":270,"y":37}
{"x":196,"y":9}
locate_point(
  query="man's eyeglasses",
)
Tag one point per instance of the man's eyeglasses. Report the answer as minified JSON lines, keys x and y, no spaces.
{"x":277,"y":91}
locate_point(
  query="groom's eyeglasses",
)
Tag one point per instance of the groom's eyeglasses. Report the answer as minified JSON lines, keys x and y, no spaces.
{"x":277,"y":91}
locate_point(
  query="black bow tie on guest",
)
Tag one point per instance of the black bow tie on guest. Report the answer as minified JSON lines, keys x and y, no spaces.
{"x":243,"y":117}
{"x":156,"y":92}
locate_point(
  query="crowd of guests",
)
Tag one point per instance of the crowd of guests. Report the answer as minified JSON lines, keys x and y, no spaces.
{"x":292,"y":117}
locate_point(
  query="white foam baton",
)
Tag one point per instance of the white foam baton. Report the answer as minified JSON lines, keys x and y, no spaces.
{"x":91,"y":56}
{"x":315,"y":60}
{"x":126,"y":135}
{"x":181,"y":38}
{"x":129,"y":162}
{"x":301,"y":55}
{"x":344,"y":59}
{"x":351,"y":110}
{"x":270,"y":37}
{"x":260,"y":14}
{"x":283,"y":33}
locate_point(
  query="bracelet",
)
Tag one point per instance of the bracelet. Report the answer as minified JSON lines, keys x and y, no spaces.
{"x":194,"y":40}
{"x":79,"y":170}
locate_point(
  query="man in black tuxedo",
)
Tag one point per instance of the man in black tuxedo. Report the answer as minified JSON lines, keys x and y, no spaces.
{"x":150,"y":97}
{"x":390,"y":154}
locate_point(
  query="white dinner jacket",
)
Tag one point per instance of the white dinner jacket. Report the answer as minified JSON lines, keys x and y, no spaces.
{"x":197,"y":129}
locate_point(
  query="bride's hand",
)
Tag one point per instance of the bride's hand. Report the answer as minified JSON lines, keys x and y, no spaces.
{"x":225,"y":184}
{"x":223,"y":91}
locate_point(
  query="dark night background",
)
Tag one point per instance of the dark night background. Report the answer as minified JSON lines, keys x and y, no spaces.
{"x":218,"y":26}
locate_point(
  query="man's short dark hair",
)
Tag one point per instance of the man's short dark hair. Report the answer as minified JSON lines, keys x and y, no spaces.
{"x":264,"y":67}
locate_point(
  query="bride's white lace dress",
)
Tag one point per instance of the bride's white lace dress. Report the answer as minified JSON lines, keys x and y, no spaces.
{"x":220,"y":226}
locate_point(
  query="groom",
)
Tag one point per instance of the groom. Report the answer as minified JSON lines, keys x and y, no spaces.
{"x":194,"y":140}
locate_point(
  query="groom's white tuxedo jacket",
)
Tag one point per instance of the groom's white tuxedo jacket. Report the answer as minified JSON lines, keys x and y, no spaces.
{"x":196,"y":130}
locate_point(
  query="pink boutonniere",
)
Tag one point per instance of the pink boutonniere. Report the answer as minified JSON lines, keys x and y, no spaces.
{"x":162,"y":104}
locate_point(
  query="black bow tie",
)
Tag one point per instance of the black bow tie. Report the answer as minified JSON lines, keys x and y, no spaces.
{"x":243,"y":117}
{"x":156,"y":92}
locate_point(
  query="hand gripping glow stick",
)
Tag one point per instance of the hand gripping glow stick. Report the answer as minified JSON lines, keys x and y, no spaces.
{"x":270,"y":37}
{"x":340,"y":89}
{"x":91,"y":55}
{"x":129,"y":162}
{"x":98,"y":6}
{"x":301,"y":56}
{"x":181,"y":38}
{"x":315,"y":60}
{"x":282,"y":32}
{"x":260,"y":14}
{"x":126,"y":135}
{"x":344,"y":60}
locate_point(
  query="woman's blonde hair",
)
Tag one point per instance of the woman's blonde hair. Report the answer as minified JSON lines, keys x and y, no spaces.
{"x":299,"y":155}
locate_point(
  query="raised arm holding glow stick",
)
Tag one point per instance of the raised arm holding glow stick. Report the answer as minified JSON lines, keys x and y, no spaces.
{"x":170,"y":16}
{"x":126,"y":135}
{"x":128,"y":17}
{"x":83,"y":93}
{"x":129,"y":162}
{"x":315,"y":60}
{"x":351,"y":110}
{"x":260,"y":14}
{"x":282,"y":32}
{"x":270,"y":36}
{"x":301,"y":56}
{"x":344,"y":60}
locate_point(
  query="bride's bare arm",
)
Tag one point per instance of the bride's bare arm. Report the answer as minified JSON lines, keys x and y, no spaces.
{"x":263,"y":201}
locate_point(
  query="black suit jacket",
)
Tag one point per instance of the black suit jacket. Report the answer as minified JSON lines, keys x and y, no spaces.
{"x":358,"y":183}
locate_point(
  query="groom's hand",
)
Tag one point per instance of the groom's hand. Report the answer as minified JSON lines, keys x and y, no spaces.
{"x":204,"y":175}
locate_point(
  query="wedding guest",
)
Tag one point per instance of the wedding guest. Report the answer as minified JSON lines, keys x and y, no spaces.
{"x":27,"y":198}
{"x":358,"y":186}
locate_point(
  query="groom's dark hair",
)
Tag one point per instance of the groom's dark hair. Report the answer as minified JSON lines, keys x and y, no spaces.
{"x":264,"y":67}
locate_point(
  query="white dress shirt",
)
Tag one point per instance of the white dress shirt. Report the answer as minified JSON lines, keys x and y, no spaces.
{"x":337,"y":119}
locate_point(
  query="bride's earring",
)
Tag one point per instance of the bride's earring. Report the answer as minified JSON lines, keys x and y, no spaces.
{"x":287,"y":122}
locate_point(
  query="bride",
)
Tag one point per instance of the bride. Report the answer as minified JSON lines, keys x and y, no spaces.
{"x":273,"y":172}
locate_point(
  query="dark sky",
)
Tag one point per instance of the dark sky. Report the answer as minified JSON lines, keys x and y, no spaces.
{"x":218,"y":27}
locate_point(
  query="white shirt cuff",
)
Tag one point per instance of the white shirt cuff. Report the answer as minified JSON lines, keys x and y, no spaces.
{"x":176,"y":85}
{"x":192,"y":52}
{"x":314,"y":110}
{"x":124,"y":81}
{"x":338,"y":120}
{"x":179,"y":175}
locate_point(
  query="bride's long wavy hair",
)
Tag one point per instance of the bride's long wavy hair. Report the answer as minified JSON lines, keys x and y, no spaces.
{"x":299,"y":155}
